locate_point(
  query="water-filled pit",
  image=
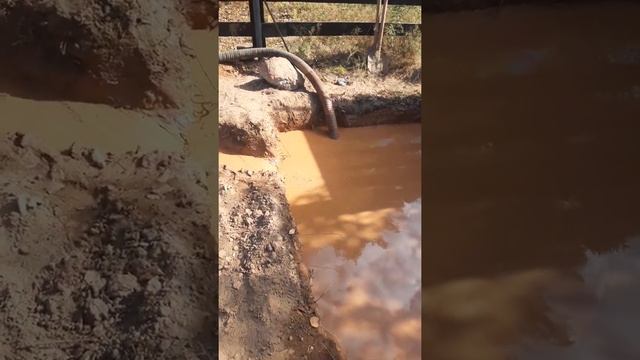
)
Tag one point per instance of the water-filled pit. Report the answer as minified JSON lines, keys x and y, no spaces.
{"x":356,"y":203}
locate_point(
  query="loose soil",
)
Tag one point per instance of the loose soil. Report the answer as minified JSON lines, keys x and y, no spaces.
{"x":120,"y":53}
{"x":266,"y":308}
{"x":99,"y":262}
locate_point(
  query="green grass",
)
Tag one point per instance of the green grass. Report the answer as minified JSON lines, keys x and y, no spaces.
{"x":339,"y":55}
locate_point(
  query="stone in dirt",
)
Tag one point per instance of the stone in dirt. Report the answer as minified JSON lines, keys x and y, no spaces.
{"x":123,"y":285}
{"x":53,"y":187}
{"x":21,"y":140}
{"x":97,"y":158}
{"x":95,"y":281}
{"x":161,"y":190}
{"x":280,"y":73}
{"x":314,"y":321}
{"x":97,"y":310}
{"x":154,"y":285}
{"x":22,"y":201}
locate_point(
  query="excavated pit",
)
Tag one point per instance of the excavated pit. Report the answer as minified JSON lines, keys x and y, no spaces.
{"x":252,"y":113}
{"x":293,"y":202}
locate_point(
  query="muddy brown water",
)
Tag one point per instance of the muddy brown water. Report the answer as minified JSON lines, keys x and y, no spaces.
{"x":356,"y":203}
{"x":532,"y":243}
{"x":357,"y":207}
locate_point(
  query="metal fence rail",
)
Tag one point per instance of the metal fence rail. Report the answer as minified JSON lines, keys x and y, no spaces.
{"x":258,"y":29}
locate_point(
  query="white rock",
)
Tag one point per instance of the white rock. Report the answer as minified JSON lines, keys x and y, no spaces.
{"x":280,"y":73}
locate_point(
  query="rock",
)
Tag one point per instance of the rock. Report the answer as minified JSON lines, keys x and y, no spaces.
{"x":269,"y":247}
{"x":154,"y":285}
{"x":99,"y":331}
{"x":165,"y":310}
{"x":23,"y":250}
{"x":22,"y":140}
{"x":161,"y":190}
{"x":150,"y":100}
{"x":71,"y":152}
{"x":144,"y":162}
{"x":98,"y":310}
{"x":22,"y":201}
{"x":53,"y":187}
{"x":314,"y":321}
{"x":342,"y":81}
{"x":237,"y":283}
{"x":95,"y":281}
{"x":95,"y":230}
{"x":97,"y":158}
{"x":280,"y":73}
{"x":123,"y":284}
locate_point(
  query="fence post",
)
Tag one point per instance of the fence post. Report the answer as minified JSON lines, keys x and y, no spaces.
{"x":256,"y":15}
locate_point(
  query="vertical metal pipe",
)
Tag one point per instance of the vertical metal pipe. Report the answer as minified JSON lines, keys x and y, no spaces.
{"x":256,"y":15}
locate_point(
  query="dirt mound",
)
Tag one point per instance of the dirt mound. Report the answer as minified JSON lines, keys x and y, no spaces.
{"x":121,"y":53}
{"x":97,"y":261}
{"x":266,"y":308}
